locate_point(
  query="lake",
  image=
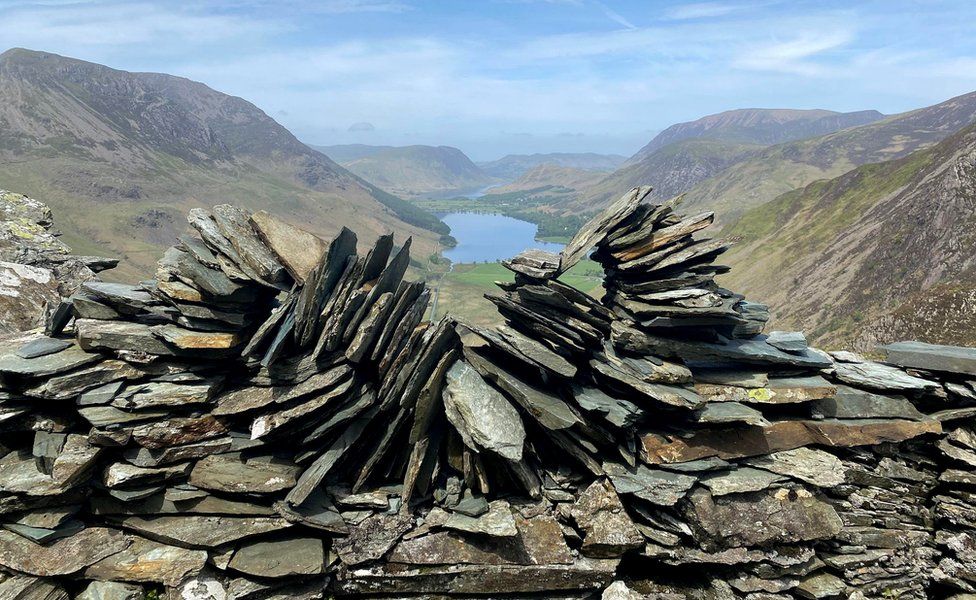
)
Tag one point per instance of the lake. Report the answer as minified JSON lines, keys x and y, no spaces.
{"x":485,"y":237}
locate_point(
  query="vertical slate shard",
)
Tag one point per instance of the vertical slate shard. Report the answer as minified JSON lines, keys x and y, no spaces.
{"x":320,"y":285}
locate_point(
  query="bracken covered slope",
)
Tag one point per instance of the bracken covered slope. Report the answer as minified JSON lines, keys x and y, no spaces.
{"x":121,"y":156}
{"x":886,"y":251}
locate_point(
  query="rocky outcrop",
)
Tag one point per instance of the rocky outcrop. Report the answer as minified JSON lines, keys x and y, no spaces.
{"x":36,"y":268}
{"x":254,"y":424}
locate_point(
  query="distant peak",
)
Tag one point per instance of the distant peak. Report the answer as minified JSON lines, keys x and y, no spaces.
{"x":23,"y":53}
{"x":22,"y":57}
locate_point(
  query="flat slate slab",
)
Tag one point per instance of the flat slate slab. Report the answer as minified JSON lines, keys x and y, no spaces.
{"x":146,"y":561}
{"x":280,"y":558}
{"x":932,"y":357}
{"x":62,"y":557}
{"x":42,"y":346}
{"x":46,"y":364}
{"x":298,"y":250}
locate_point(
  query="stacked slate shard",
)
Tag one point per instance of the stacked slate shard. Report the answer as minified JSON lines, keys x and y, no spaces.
{"x":37,"y":269}
{"x":272,"y":417}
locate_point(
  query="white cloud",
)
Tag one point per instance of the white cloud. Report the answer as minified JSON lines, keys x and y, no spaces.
{"x":70,"y":25}
{"x":792,"y":56}
{"x":348,"y":6}
{"x":614,"y":16}
{"x":701,"y":10}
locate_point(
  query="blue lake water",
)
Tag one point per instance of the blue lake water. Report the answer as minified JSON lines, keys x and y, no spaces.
{"x":485,"y":237}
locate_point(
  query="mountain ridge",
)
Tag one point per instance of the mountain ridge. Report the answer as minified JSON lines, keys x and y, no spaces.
{"x":888,"y":248}
{"x":784,"y":167}
{"x":685,"y":154}
{"x":513,"y":166}
{"x":763,"y":126}
{"x":120,"y":156}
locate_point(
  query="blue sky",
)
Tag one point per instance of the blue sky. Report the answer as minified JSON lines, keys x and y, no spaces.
{"x":513,"y":76}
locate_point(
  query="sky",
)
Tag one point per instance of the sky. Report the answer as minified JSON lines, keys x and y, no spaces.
{"x":494,"y":77}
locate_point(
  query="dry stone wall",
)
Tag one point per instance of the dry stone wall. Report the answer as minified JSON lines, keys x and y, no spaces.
{"x":37,"y":269}
{"x":272,"y":417}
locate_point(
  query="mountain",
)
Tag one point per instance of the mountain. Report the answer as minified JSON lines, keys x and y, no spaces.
{"x":120,"y":157}
{"x":413,"y":171}
{"x":513,"y":166}
{"x":759,"y":126}
{"x":685,"y":154}
{"x":673,"y":169}
{"x":784,"y":167}
{"x":550,"y":175}
{"x":884,"y":252}
{"x":342,"y":153}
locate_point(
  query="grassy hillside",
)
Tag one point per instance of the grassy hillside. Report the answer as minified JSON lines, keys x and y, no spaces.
{"x":342,"y":153}
{"x":883,"y":252}
{"x":686,"y":154}
{"x":779,"y":169}
{"x":672,"y":170}
{"x":758,"y":126}
{"x":513,"y":166}
{"x":414,"y":171}
{"x":550,"y":176}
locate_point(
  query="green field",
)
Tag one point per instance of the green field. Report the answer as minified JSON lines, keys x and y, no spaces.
{"x":584,"y":276}
{"x":461,"y":291}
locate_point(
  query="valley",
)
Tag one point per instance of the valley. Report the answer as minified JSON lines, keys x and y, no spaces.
{"x":121,"y":156}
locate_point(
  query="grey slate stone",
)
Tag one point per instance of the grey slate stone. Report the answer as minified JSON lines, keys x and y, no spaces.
{"x":496,"y":522}
{"x":618,"y":411}
{"x":607,"y":530}
{"x":932,"y":357}
{"x":787,"y":341}
{"x":94,"y":335}
{"x":46,"y":364}
{"x":258,"y":475}
{"x":483,"y":417}
{"x":197,"y":531}
{"x":656,"y":486}
{"x":740,"y":480}
{"x":877,"y":376}
{"x":534,"y":263}
{"x":551,"y":411}
{"x":290,"y":557}
{"x":234,"y":222}
{"x":42,"y":346}
{"x":853,"y":403}
{"x":813,"y":466}
{"x":730,"y":412}
{"x":596,"y":229}
{"x":148,"y":561}
{"x":111,"y":590}
{"x":61,"y":557}
{"x":121,"y":296}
